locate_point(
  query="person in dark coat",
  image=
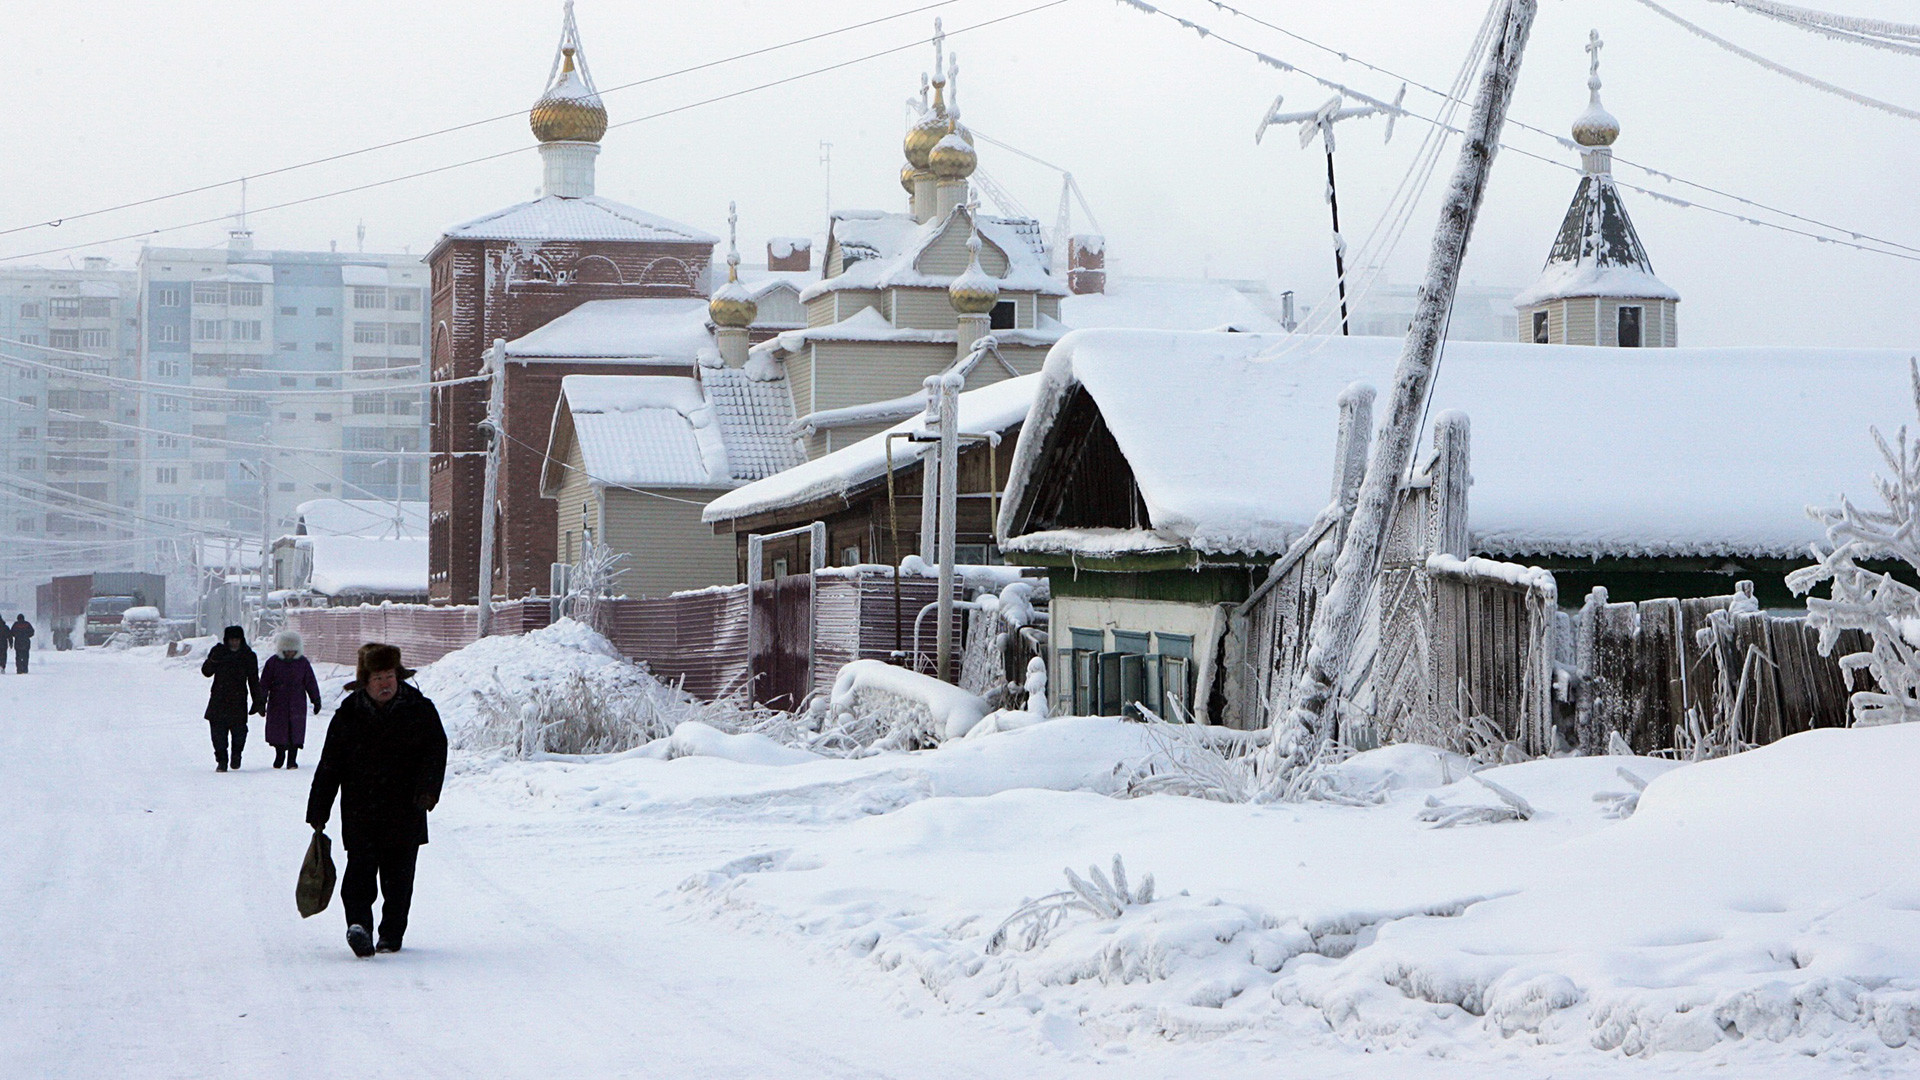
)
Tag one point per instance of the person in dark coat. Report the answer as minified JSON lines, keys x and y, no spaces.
{"x":287,"y":685}
{"x":6,"y":642}
{"x":22,"y":641}
{"x":386,"y":756}
{"x":236,"y":692}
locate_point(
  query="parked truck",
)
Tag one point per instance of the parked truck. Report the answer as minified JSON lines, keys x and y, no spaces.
{"x":93,"y":605}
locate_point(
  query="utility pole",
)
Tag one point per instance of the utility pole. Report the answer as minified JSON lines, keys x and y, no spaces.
{"x":949,"y":391}
{"x":1320,"y":122}
{"x":490,"y":492}
{"x":1336,"y":622}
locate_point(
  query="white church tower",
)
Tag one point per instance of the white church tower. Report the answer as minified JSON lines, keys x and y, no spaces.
{"x":1598,"y":287}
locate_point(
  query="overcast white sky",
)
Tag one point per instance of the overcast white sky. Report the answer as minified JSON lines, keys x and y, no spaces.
{"x":115,"y":101}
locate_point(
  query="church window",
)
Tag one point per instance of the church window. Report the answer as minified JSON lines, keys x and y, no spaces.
{"x":1002,"y":316}
{"x":1630,"y":318}
{"x":1539,"y":328}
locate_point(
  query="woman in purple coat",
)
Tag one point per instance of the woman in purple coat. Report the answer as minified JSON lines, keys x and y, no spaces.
{"x":285,"y":681}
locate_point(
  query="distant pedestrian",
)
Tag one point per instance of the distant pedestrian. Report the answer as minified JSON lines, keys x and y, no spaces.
{"x":386,"y":757}
{"x":287,"y":683}
{"x":6,"y":642}
{"x":235,"y":672}
{"x":22,"y":635}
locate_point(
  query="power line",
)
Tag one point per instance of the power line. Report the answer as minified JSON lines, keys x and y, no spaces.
{"x":523,"y":149}
{"x":1346,"y":57}
{"x":57,"y":222}
{"x":1282,"y":65}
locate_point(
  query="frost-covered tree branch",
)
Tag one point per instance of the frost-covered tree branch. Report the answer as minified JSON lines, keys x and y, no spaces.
{"x":1885,"y":608}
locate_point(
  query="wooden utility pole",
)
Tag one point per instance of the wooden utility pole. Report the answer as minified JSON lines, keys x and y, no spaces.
{"x":949,"y":449}
{"x":1336,"y":623}
{"x":495,"y":360}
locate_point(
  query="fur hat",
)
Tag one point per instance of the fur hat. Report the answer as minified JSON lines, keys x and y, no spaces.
{"x":232,"y":632}
{"x":289,"y":641}
{"x":375,"y":656}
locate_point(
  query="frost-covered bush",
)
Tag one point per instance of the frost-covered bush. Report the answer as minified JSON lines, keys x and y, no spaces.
{"x":1096,"y":894}
{"x":579,"y":713}
{"x":1888,"y":610}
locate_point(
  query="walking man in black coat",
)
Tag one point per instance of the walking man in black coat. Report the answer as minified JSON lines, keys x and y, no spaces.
{"x":386,"y":756}
{"x":22,"y":640}
{"x":235,"y":672}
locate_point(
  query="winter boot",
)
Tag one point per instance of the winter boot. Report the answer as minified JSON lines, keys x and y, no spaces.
{"x":360,"y":941}
{"x":293,"y":757}
{"x":219,"y":766}
{"x":387,"y":945}
{"x":279,"y":757}
{"x":236,"y":761}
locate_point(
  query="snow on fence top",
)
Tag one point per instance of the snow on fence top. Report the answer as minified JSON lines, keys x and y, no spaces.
{"x":993,"y":408}
{"x":626,"y":329}
{"x":356,"y":566}
{"x":636,"y":430}
{"x":1575,"y":450}
{"x":552,"y":217}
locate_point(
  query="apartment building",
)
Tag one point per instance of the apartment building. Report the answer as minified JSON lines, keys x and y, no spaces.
{"x":317,"y":354}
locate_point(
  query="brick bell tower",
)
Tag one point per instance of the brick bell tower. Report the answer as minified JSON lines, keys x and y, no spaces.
{"x":505,"y":274}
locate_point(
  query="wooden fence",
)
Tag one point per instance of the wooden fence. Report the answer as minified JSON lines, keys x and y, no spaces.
{"x":423,"y":633}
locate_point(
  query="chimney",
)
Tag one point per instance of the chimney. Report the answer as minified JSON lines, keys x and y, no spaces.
{"x":790,"y":253}
{"x":1086,"y":264}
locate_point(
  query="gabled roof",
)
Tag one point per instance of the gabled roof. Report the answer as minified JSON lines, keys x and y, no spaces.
{"x":1166,"y":305}
{"x":637,"y":431}
{"x":1597,"y":253}
{"x":1575,"y":451}
{"x":755,"y":415}
{"x":993,"y":408}
{"x":882,"y":251}
{"x":591,"y":217}
{"x":672,"y":329}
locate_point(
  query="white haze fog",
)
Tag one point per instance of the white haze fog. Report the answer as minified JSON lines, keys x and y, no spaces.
{"x":114,"y":102}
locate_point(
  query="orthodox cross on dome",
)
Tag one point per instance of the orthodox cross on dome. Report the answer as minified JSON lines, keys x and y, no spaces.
{"x":733,"y":241}
{"x":1595,"y":128}
{"x":570,"y":47}
{"x":1594,"y":45}
{"x":939,"y":55}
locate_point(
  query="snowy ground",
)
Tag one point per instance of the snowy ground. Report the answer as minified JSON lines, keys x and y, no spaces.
{"x":710,"y":917}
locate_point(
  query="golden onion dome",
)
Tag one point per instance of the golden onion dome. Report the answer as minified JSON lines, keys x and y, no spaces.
{"x":1596,"y":126}
{"x":932,"y":126}
{"x":908,"y":174}
{"x":975,"y":291}
{"x":570,"y":110}
{"x":953,"y":157}
{"x":732,"y":305}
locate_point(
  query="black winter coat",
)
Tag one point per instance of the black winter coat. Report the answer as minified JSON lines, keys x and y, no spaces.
{"x":236,"y":682}
{"x":387,"y":764}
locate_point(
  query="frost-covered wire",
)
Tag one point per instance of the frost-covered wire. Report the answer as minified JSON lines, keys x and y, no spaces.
{"x":1875,"y":33}
{"x":1781,"y":69}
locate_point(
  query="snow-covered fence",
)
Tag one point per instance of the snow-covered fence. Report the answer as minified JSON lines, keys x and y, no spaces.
{"x":424,"y":633}
{"x":697,"y":639}
{"x":1644,"y":667}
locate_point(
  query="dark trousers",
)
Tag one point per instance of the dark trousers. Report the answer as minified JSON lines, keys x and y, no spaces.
{"x":225,"y":731}
{"x":20,"y":659}
{"x":393,"y":864}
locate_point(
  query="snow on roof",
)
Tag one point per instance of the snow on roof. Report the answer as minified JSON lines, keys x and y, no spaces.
{"x":365,"y":518}
{"x":783,"y":247}
{"x":868,"y":324}
{"x":882,"y":251}
{"x":350,"y":565}
{"x":754,"y":416}
{"x":645,"y":430}
{"x":590,"y":217}
{"x":1576,"y":451}
{"x":627,"y":329}
{"x":1166,"y":305}
{"x":1597,"y":252}
{"x":993,"y":408}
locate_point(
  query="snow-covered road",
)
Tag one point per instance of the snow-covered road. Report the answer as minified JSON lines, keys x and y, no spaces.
{"x":151,"y":931}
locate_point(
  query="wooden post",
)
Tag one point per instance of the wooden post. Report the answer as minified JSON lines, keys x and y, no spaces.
{"x":949,"y":511}
{"x":1337,"y":623}
{"x":490,"y":492}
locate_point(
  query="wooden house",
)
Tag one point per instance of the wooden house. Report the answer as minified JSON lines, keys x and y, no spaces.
{"x":1163,"y":477}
